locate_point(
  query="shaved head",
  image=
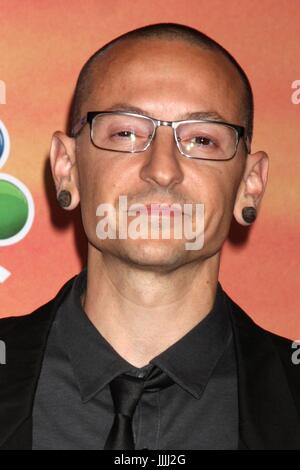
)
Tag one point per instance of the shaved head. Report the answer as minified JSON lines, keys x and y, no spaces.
{"x":167,"y":31}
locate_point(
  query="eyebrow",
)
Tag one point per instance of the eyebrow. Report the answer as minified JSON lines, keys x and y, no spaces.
{"x":124,"y":107}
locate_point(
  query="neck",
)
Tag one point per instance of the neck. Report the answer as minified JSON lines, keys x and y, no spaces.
{"x":142,"y":312}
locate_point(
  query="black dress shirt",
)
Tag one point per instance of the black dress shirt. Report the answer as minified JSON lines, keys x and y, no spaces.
{"x":73,"y":407}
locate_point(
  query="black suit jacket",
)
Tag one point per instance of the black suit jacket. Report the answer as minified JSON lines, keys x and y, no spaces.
{"x":268,"y":381}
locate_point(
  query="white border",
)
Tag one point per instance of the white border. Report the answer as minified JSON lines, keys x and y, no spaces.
{"x":23,"y":232}
{"x":5,"y":154}
{"x":4,"y":274}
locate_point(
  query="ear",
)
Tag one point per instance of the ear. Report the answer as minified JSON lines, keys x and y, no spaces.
{"x":63,"y":166}
{"x":252,"y":185}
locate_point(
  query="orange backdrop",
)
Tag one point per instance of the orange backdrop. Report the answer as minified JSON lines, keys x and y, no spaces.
{"x":43,"y":45}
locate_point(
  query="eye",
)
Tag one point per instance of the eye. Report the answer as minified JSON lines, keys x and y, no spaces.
{"x":124,"y":134}
{"x":199,"y":140}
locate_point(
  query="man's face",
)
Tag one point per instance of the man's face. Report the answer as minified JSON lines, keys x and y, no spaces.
{"x":168,"y":80}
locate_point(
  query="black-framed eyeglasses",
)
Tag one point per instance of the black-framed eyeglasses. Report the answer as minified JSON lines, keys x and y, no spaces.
{"x":126,"y":132}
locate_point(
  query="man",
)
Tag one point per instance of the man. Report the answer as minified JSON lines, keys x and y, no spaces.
{"x":143,"y":349}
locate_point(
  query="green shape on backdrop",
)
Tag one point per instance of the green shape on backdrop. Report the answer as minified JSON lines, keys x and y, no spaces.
{"x":13,"y":209}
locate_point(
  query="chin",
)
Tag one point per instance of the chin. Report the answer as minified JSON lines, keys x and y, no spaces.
{"x":158,"y":254}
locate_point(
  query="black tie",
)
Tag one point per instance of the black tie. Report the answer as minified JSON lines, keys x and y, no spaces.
{"x":126,"y":391}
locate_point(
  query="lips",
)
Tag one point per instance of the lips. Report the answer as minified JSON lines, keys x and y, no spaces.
{"x":160,"y":209}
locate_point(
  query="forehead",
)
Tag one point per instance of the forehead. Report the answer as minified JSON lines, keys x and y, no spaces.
{"x":167,"y":78}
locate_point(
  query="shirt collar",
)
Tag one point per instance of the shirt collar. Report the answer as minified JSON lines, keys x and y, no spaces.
{"x":189,"y":362}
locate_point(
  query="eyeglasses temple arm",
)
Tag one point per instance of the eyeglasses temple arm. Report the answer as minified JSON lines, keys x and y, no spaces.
{"x":78,"y":126}
{"x":248,"y":145}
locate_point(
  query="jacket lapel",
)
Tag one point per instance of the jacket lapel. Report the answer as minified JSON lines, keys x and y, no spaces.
{"x":268,"y":415}
{"x":25,"y":338}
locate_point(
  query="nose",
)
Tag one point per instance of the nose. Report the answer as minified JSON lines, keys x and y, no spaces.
{"x":162,"y":167}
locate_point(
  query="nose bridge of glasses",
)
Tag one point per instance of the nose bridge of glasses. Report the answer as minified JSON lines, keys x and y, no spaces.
{"x":166,"y":123}
{"x":161,"y":123}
